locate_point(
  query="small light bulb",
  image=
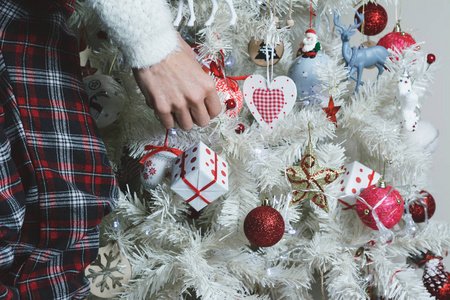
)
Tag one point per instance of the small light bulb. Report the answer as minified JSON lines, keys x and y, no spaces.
{"x":292,"y":231}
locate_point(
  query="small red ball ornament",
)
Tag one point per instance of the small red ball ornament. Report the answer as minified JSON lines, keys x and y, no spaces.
{"x":396,"y":41}
{"x":375,"y":18}
{"x":431,"y":58}
{"x":230,"y":103}
{"x":436,"y":279}
{"x":240,"y":128}
{"x":417,"y":209}
{"x":264,"y":226}
{"x":389,"y":211}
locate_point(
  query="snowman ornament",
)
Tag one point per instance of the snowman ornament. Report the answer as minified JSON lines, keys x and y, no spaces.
{"x":407,"y":103}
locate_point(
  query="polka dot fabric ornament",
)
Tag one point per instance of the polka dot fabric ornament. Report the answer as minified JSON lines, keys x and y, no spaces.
{"x":436,"y":279}
{"x":417,"y":209}
{"x":382,"y":203}
{"x":375,"y":18}
{"x":264,"y":226}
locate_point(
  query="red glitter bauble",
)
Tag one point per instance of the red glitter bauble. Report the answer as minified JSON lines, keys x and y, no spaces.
{"x":396,"y":40}
{"x":389,"y":212}
{"x":436,"y":279}
{"x":375,"y":18}
{"x":417,"y":210}
{"x":264,"y":226}
{"x":431,"y":58}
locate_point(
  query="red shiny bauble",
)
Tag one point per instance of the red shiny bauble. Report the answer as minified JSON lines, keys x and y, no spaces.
{"x":436,"y":279}
{"x":417,"y":210}
{"x":264,"y":226}
{"x":240,"y":128}
{"x":375,"y":18}
{"x":389,"y":212}
{"x":431,"y":58}
{"x":396,"y":41}
{"x":230,"y":103}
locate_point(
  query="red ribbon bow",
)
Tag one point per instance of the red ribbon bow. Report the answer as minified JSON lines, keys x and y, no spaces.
{"x":217,"y":70}
{"x":155,"y":149}
{"x":197,"y":191}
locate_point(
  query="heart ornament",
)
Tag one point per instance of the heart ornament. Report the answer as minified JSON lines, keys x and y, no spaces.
{"x":269,"y":103}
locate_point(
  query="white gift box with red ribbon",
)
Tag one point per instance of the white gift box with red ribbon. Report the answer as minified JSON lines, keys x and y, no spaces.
{"x":356,"y":178}
{"x":199,"y":176}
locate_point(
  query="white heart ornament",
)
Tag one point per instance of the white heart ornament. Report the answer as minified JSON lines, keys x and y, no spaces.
{"x":269,"y":103}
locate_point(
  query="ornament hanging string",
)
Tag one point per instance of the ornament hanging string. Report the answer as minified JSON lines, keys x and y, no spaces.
{"x":398,"y":11}
{"x":156,"y":149}
{"x":311,"y":13}
{"x":218,"y":70}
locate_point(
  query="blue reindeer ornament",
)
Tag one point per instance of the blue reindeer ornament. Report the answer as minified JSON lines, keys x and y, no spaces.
{"x":358,"y":59}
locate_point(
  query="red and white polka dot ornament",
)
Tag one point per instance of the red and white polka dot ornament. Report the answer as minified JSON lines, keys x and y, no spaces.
{"x":356,"y":178}
{"x":269,"y":102}
{"x":199,"y":176}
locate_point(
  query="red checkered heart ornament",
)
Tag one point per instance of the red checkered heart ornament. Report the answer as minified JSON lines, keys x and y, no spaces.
{"x":269,"y":103}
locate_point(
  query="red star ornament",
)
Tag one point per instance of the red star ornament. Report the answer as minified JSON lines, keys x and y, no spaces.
{"x":331,"y":111}
{"x":309,"y":179}
{"x":87,"y":70}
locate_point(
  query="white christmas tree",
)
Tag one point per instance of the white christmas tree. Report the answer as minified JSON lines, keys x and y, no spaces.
{"x":293,"y":161}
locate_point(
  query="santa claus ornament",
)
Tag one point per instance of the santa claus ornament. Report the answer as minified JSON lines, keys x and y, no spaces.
{"x":436,"y":279}
{"x":380,"y":207}
{"x":309,"y":46}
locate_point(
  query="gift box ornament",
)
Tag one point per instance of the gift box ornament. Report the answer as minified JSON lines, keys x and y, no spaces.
{"x":356,"y":178}
{"x":199,"y":176}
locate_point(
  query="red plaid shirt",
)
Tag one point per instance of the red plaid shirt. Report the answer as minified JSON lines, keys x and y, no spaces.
{"x":56,"y":183}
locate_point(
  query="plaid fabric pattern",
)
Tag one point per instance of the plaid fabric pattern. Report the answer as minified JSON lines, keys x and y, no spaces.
{"x":269,"y":103}
{"x":56,"y":183}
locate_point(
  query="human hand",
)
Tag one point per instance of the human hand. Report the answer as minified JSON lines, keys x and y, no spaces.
{"x":179,"y":91}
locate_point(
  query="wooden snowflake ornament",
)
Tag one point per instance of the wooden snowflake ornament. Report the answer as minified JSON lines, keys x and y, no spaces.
{"x":109,"y":272}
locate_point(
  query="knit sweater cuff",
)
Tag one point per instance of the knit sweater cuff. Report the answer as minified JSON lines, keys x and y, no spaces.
{"x":142,"y":29}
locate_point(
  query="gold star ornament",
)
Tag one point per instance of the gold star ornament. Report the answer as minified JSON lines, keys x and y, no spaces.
{"x":309,"y":180}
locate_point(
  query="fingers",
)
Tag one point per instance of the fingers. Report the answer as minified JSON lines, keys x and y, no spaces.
{"x":212,"y":103}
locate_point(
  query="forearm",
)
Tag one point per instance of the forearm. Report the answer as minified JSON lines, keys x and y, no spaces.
{"x":142,"y":29}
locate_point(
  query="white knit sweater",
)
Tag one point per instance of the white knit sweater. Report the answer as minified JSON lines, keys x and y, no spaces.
{"x":142,"y":29}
